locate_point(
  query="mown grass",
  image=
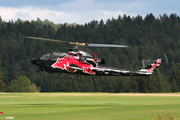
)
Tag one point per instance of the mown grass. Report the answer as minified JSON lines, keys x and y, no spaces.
{"x":86,"y":106}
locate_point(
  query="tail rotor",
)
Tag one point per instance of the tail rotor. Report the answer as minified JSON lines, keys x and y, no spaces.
{"x":145,"y":62}
{"x":165,"y":59}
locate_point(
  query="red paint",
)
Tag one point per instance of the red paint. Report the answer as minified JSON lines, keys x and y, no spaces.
{"x":155,"y":65}
{"x":64,"y":64}
{"x":1,"y":112}
{"x":95,"y":55}
{"x":71,"y":53}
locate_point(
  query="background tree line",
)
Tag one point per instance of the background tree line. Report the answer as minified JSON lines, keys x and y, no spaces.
{"x":148,"y":38}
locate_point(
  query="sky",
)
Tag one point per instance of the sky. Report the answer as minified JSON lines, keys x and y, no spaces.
{"x":83,"y":11}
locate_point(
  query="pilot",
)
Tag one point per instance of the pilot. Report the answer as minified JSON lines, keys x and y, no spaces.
{"x":47,"y":57}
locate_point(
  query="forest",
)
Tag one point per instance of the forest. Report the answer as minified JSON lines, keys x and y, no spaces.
{"x":147,"y":37}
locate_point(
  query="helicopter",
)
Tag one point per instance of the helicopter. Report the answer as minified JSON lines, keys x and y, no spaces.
{"x":80,"y":62}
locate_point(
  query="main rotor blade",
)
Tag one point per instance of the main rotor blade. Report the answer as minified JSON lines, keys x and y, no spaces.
{"x":104,"y":45}
{"x":51,"y":40}
{"x":59,"y":41}
{"x":76,"y":43}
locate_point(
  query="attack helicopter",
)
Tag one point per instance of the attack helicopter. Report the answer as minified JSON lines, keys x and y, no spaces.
{"x":80,"y":62}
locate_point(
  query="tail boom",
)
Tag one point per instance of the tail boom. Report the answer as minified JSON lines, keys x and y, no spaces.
{"x":109,"y":71}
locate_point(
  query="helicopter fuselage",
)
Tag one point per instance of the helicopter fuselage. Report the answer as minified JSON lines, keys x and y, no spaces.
{"x":82,"y":63}
{"x":75,"y":61}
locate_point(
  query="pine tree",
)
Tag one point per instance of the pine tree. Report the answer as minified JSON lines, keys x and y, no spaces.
{"x":2,"y":79}
{"x":175,"y":78}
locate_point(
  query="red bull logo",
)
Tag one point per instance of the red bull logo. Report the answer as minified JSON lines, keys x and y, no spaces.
{"x":64,"y":64}
{"x":59,"y":64}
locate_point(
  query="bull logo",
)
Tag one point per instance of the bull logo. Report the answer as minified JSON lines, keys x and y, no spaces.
{"x":63,"y":63}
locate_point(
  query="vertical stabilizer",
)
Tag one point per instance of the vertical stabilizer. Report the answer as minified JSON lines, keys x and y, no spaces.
{"x":152,"y":66}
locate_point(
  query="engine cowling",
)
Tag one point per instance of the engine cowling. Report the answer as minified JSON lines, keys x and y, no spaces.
{"x":101,"y":61}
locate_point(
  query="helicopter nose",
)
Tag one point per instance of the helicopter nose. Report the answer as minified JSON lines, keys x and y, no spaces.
{"x":33,"y":61}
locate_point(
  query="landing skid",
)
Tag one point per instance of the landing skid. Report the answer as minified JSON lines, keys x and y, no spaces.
{"x":60,"y":76}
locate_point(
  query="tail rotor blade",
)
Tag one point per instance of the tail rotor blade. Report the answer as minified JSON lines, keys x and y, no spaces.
{"x":166,"y":59}
{"x":145,"y":62}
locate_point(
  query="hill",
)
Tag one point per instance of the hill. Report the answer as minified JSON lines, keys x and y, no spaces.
{"x":147,"y":37}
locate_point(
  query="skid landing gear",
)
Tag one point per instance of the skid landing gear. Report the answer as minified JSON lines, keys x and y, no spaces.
{"x":60,"y":76}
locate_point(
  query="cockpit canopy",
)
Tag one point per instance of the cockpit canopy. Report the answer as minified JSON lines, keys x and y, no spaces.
{"x":56,"y":55}
{"x":53,"y":56}
{"x":45,"y":56}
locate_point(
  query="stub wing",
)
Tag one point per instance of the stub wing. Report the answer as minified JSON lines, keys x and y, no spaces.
{"x":109,"y":71}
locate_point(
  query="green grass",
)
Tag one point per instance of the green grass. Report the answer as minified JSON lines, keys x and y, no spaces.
{"x":86,"y":106}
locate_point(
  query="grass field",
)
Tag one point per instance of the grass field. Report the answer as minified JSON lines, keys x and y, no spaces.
{"x":87,"y":106}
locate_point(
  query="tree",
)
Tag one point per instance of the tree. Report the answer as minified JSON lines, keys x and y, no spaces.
{"x":175,"y":78}
{"x":174,"y":87}
{"x":131,"y":84}
{"x":156,"y":83}
{"x":160,"y":82}
{"x":20,"y":84}
{"x":2,"y":79}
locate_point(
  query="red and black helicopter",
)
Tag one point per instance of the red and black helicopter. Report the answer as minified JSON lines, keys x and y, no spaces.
{"x":80,"y":62}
